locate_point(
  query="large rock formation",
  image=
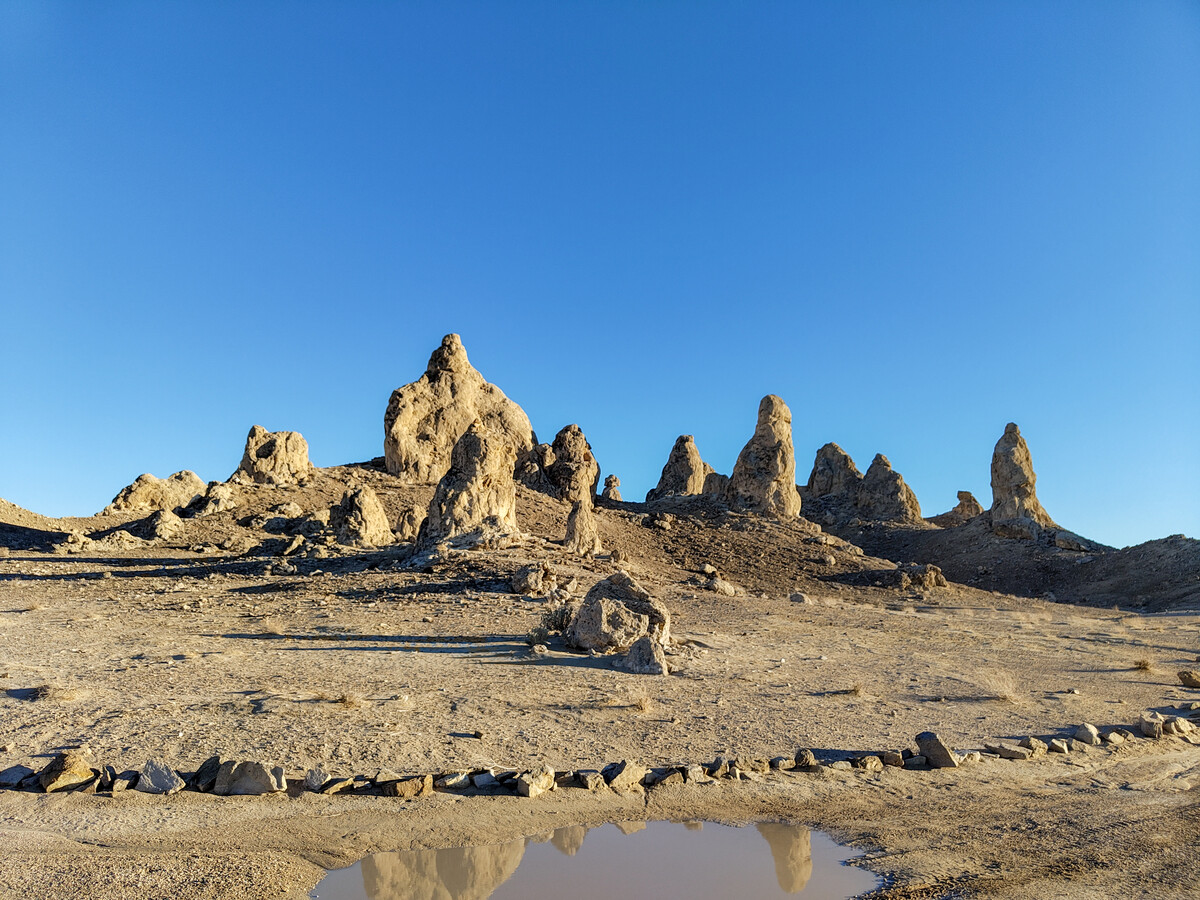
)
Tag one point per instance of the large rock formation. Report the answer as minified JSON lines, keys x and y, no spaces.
{"x":1016,"y":511}
{"x":583,"y":536}
{"x":612,"y":489}
{"x":834,"y":474}
{"x":477,"y":496}
{"x":273,"y":457}
{"x":615,"y":613}
{"x":360,"y":519}
{"x":764,"y":477}
{"x":966,"y":510}
{"x":571,"y":468}
{"x":150,"y":493}
{"x":884,"y":495}
{"x":684,"y":474}
{"x":425,"y":419}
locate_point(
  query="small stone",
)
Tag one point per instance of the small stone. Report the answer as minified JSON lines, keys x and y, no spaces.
{"x":1151,"y":724}
{"x":1114,"y":737}
{"x":915,"y":762}
{"x":409,"y":788}
{"x":869,"y":763}
{"x":695,"y":774}
{"x":672,"y":775}
{"x":785,"y":763}
{"x":455,"y":781}
{"x":1009,"y":751}
{"x":248,"y":779}
{"x":1077,"y":745}
{"x":1087,"y":734}
{"x":718,"y":768}
{"x":1177,"y":725}
{"x":1035,"y":746}
{"x":936,"y":751}
{"x":891,"y":758}
{"x":205,"y":778}
{"x":156,"y":777}
{"x":1058,"y":745}
{"x":484,"y":780}
{"x":805,"y":759}
{"x":841,"y":765}
{"x":535,"y":783}
{"x":590,"y":779}
{"x":125,"y":781}
{"x":624,"y":776}
{"x":970,"y":758}
{"x":337,"y":785}
{"x":315,"y":779}
{"x":70,"y":769}
{"x":1189,"y":678}
{"x":14,"y":775}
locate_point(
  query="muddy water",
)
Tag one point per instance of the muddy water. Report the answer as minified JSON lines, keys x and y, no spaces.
{"x":664,"y":860}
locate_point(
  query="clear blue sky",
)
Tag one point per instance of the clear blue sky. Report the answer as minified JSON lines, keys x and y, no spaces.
{"x":914,"y":221}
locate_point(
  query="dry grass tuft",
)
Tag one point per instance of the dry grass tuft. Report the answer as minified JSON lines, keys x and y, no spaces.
{"x":642,"y":702}
{"x":56,"y":694}
{"x":856,"y":690}
{"x":1000,"y":685}
{"x":1143,"y":665}
{"x":351,"y":701}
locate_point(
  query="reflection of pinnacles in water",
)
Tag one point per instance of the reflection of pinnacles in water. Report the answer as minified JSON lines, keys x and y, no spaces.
{"x":457,"y":873}
{"x":791,"y":846}
{"x":630,"y":827}
{"x":569,"y":839}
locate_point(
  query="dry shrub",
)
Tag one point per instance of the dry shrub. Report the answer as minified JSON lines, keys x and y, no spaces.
{"x":351,"y":701}
{"x":1000,"y":685}
{"x":1143,"y":665}
{"x":55,"y":694}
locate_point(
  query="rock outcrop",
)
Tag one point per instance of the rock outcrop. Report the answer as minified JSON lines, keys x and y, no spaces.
{"x":966,"y":510}
{"x":583,"y":536}
{"x":1015,"y":511}
{"x":884,"y":495}
{"x":834,"y":474}
{"x":273,"y":457}
{"x":615,"y":613}
{"x":684,"y":473}
{"x":477,"y":496}
{"x":764,"y":477}
{"x":150,"y":493}
{"x":571,"y":468}
{"x":612,"y":489}
{"x":360,"y":519}
{"x":425,"y":419}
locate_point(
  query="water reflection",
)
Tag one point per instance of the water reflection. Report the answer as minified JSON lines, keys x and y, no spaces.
{"x":670,"y":860}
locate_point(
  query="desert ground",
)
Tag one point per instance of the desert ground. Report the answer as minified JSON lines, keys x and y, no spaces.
{"x":249,"y":630}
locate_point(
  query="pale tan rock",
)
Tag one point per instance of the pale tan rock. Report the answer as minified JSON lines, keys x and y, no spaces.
{"x":409,"y":524}
{"x":966,"y":510}
{"x":644,"y":657}
{"x":684,"y":472}
{"x":477,"y":496}
{"x":583,"y":536}
{"x":425,"y":419}
{"x":273,"y":457}
{"x":834,"y":474}
{"x":715,"y":484}
{"x":884,"y":495}
{"x":220,"y":497}
{"x":360,"y":519}
{"x":70,"y":769}
{"x":616,"y":612}
{"x":612,"y":486}
{"x":573,"y":471}
{"x":150,"y":493}
{"x":1014,"y":495}
{"x":764,"y":477}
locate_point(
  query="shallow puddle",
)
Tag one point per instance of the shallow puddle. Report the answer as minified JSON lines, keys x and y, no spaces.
{"x":664,"y":860}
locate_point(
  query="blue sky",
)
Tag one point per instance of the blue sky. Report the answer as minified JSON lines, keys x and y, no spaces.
{"x":913,"y":221}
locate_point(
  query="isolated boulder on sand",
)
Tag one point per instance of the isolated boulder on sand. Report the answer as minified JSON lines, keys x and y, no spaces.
{"x":684,"y":472}
{"x":1016,"y":511}
{"x":360,"y":519}
{"x":148,"y":492}
{"x":425,"y":419}
{"x":477,"y":496}
{"x":572,"y":470}
{"x":612,"y":488}
{"x":966,"y":510}
{"x":884,"y":495}
{"x":834,"y":474}
{"x":764,"y":477}
{"x":273,"y":457}
{"x":615,"y":613}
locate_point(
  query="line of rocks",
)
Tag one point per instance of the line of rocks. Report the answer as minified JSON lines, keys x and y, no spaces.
{"x":76,"y":770}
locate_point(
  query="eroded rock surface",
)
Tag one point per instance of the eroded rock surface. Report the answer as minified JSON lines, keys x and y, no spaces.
{"x":884,"y":495}
{"x":583,"y":535}
{"x":834,"y":474}
{"x":764,"y":477}
{"x":616,"y":612}
{"x":425,"y":419}
{"x":1016,"y":511}
{"x":684,"y":472}
{"x":477,"y":496}
{"x":612,"y":488}
{"x":273,"y":457}
{"x":150,"y":493}
{"x":966,"y":510}
{"x":360,"y":519}
{"x":572,"y":470}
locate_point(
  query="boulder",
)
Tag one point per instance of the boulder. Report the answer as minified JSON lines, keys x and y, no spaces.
{"x":883,"y":494}
{"x":616,"y":612}
{"x":360,"y":520}
{"x":316,"y":778}
{"x":273,"y":457}
{"x":151,"y":493}
{"x":1189,"y":678}
{"x":156,"y":777}
{"x":764,"y":477}
{"x":645,"y":657}
{"x":162,"y":525}
{"x":834,"y":474}
{"x":220,"y":497}
{"x":1087,"y":733}
{"x":572,"y":470}
{"x":535,"y":580}
{"x":966,"y":510}
{"x":477,"y":495}
{"x":611,"y":490}
{"x":535,"y":783}
{"x":411,"y":788}
{"x":248,"y":778}
{"x":69,"y":769}
{"x":583,"y":537}
{"x":1016,"y":511}
{"x":684,"y":473}
{"x":425,"y":420}
{"x":936,"y":752}
{"x":625,"y":776}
